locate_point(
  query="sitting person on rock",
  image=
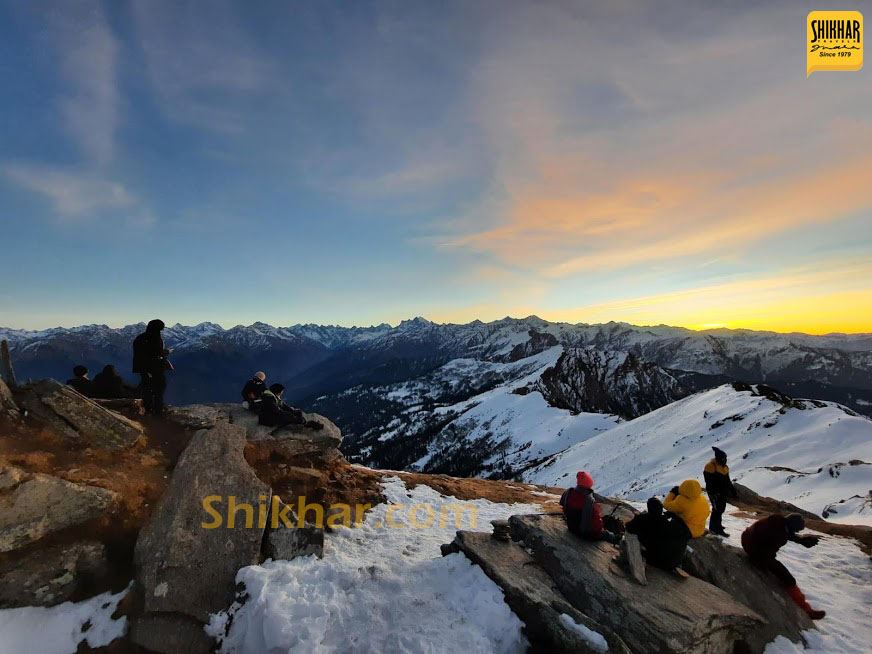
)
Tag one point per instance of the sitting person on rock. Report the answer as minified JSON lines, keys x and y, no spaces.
{"x":80,"y":381}
{"x":687,"y":502}
{"x":718,"y":486}
{"x":762,"y":540}
{"x":275,"y":412}
{"x":109,"y":385}
{"x":663,"y":537}
{"x":581,"y":511}
{"x":253,"y":390}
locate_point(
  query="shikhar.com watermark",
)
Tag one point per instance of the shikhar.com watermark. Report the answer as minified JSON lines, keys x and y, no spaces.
{"x":338,"y":515}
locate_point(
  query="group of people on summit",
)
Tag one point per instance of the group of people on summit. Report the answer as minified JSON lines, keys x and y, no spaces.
{"x":665,"y":529}
{"x":269,"y":406}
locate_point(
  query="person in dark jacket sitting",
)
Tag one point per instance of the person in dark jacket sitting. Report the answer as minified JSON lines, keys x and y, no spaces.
{"x":762,"y":540}
{"x":581,"y":511}
{"x":253,"y":390}
{"x":80,"y":381}
{"x":109,"y":385}
{"x":663,"y":537}
{"x":275,"y":412}
{"x":718,"y":486}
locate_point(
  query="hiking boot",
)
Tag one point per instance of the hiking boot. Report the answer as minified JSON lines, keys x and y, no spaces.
{"x":720,"y":532}
{"x":816,"y":614}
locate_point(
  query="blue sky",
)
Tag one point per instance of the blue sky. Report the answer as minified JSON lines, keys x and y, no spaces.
{"x":361,"y":162}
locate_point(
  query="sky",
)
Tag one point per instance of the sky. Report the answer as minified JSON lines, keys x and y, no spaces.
{"x":363,"y":162}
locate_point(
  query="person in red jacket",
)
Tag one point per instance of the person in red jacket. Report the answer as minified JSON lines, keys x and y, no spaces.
{"x":762,"y":540}
{"x":581,"y":511}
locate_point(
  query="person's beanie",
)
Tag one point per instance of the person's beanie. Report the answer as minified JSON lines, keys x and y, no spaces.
{"x":655,"y":506}
{"x":720,"y":455}
{"x":260,"y":375}
{"x":80,"y":371}
{"x":584,"y":480}
{"x":276,"y":388}
{"x":795,"y":523}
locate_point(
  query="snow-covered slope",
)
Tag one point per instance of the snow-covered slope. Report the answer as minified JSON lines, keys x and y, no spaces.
{"x":817,"y":455}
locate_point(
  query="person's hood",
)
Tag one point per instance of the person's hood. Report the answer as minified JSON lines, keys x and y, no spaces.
{"x":690,"y":488}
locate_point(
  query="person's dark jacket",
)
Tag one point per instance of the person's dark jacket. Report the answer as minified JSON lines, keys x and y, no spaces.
{"x":149,"y":353}
{"x":274,"y":412}
{"x":664,"y":537}
{"x":108,"y":384}
{"x":82,"y":385}
{"x":717,"y":479}
{"x":253,"y":390}
{"x":764,"y":538}
{"x":582,"y":512}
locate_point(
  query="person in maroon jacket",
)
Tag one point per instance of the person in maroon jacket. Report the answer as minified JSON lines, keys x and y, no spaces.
{"x":582,"y":512}
{"x":762,"y":540}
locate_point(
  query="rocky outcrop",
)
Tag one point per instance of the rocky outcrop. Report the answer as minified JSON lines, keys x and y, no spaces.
{"x":289,"y":542}
{"x":186,"y":571}
{"x":727,"y":567}
{"x":669,"y":614}
{"x":532,"y":595}
{"x":8,"y":408}
{"x":51,"y":575}
{"x":33,"y":506}
{"x":77,"y":418}
{"x":607,"y":382}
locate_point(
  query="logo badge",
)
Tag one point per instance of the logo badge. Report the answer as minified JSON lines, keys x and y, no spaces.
{"x":834,"y":41}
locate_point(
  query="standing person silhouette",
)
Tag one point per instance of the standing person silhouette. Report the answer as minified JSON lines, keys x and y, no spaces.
{"x":150,"y":361}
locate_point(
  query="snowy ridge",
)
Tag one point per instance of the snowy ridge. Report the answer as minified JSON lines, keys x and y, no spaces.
{"x":817,"y":455}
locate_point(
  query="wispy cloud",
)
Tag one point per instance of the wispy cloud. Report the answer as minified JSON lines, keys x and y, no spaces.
{"x":87,"y":57}
{"x":73,"y":194}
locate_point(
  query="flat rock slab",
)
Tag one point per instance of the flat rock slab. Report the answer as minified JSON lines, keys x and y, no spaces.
{"x":49,"y":576}
{"x":183,"y":567}
{"x":77,"y":418}
{"x":728,"y":568}
{"x":532,"y":595}
{"x":667,"y":615}
{"x":39,"y":505}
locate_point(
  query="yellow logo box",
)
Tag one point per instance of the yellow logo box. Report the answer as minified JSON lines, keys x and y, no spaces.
{"x":834,"y":41}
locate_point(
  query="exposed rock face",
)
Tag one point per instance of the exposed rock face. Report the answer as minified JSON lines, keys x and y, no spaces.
{"x":532,"y":595}
{"x":667,"y":615}
{"x":607,"y":382}
{"x":8,"y":407}
{"x":290,"y":542}
{"x":728,"y":568}
{"x":51,"y":575}
{"x":184,"y":570}
{"x":78,"y":418}
{"x":33,"y":506}
{"x":539,"y":342}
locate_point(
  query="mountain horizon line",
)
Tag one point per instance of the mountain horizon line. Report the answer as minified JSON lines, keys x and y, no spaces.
{"x":422,"y":320}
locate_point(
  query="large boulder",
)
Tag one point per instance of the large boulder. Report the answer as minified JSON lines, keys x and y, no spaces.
{"x":551,"y":623}
{"x":728,"y":568}
{"x":77,"y":418}
{"x":187,"y":571}
{"x":8,"y":408}
{"x":670,"y":614}
{"x":297,"y":444}
{"x":51,"y":575}
{"x":33,"y":506}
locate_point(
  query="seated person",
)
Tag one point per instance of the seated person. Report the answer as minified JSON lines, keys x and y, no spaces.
{"x":581,"y":511}
{"x":109,"y":385}
{"x":663,"y":537}
{"x":274,"y":412}
{"x":252,"y":391}
{"x":80,"y":381}
{"x":688,"y":503}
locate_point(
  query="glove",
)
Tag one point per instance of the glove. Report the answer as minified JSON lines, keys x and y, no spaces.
{"x":809,"y":541}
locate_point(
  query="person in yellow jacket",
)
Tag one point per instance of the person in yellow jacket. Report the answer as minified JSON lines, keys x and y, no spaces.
{"x":687,"y":502}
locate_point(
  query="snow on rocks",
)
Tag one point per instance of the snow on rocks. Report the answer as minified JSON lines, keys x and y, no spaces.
{"x":60,"y":629}
{"x":379,"y":588}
